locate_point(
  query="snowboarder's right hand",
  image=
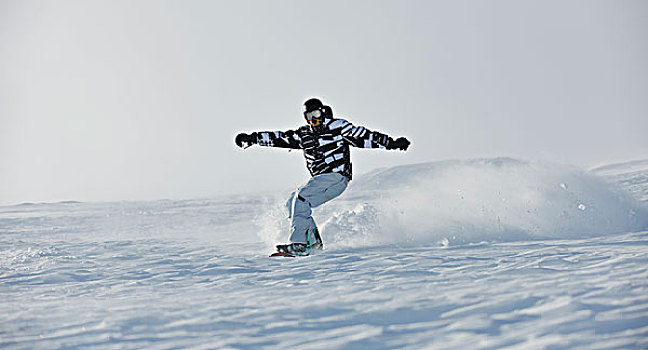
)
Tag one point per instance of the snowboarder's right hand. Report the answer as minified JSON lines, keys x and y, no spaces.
{"x":244,"y":140}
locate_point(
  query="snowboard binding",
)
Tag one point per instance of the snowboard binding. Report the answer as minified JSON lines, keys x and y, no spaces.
{"x":300,"y":249}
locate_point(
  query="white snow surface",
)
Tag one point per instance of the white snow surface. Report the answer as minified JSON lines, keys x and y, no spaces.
{"x":461,"y":254}
{"x":632,"y":176}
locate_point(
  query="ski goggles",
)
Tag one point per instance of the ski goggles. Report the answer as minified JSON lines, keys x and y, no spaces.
{"x":314,"y":117}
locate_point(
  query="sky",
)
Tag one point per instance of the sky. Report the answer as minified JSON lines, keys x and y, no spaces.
{"x":141,"y":100}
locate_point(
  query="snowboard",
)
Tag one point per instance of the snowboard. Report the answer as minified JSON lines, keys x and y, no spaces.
{"x":315,"y":247}
{"x":278,"y":254}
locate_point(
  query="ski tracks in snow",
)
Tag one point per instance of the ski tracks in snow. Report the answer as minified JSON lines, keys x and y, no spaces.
{"x":164,"y":294}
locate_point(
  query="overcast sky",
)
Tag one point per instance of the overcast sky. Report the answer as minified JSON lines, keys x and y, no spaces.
{"x":129,"y":100}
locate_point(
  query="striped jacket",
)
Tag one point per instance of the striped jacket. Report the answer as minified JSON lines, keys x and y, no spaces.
{"x":326,"y":150}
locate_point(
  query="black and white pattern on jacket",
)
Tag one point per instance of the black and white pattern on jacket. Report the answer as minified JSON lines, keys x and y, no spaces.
{"x":326,"y":150}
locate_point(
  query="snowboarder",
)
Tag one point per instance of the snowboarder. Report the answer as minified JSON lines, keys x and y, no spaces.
{"x":325,"y":142}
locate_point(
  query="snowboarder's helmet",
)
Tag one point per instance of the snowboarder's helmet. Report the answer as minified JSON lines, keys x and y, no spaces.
{"x":314,"y":112}
{"x":312,"y":104}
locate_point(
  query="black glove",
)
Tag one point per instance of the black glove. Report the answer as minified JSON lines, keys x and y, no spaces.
{"x":244,"y":140}
{"x":400,"y":143}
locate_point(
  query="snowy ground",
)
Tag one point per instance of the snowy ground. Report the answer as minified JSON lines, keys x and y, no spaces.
{"x":479,"y":254}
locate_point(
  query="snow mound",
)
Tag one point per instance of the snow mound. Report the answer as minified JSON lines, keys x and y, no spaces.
{"x":470,"y":201}
{"x":632,"y":176}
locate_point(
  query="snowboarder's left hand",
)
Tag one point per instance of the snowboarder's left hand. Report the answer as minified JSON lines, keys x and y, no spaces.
{"x":400,"y":143}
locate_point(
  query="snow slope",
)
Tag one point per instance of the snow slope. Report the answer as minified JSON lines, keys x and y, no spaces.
{"x":463,"y":254}
{"x":632,"y":176}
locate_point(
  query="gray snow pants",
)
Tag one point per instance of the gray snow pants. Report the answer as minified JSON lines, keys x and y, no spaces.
{"x":317,"y":191}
